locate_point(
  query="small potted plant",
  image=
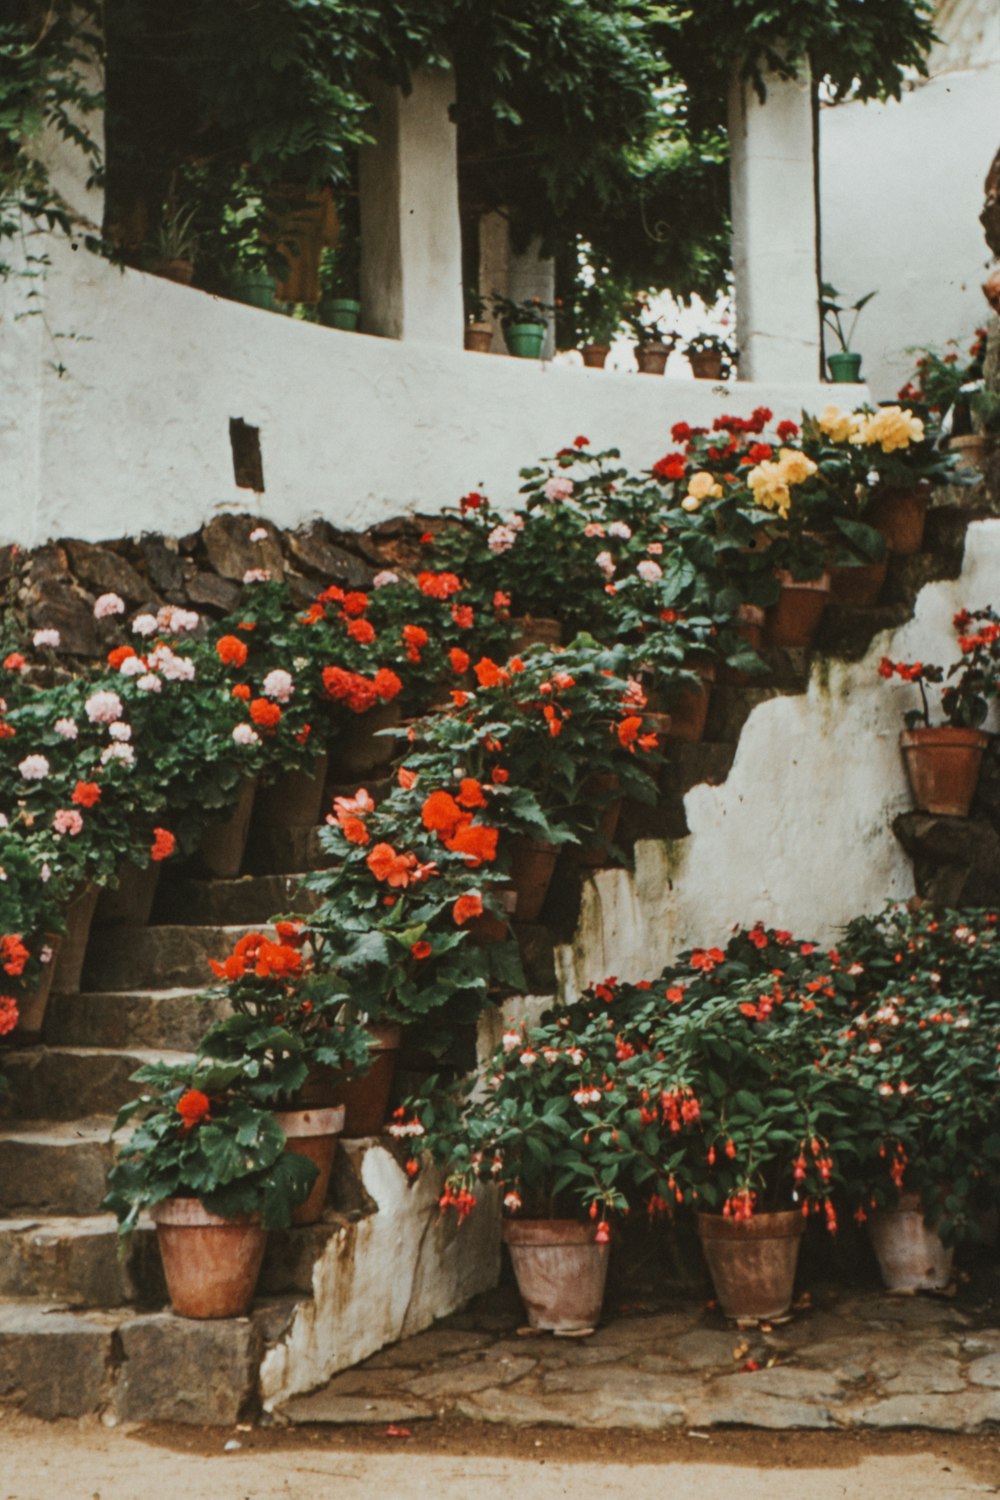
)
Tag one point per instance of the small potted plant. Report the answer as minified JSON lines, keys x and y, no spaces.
{"x":175,"y":247}
{"x":655,"y":340}
{"x":478,"y":336}
{"x":340,"y":273}
{"x":525,"y":324}
{"x":710,"y":356}
{"x":845,"y":364}
{"x":597,"y":310}
{"x":211,"y":1168}
{"x":953,"y":391}
{"x":943,"y":760}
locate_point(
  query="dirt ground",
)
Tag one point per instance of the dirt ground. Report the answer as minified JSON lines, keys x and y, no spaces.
{"x":457,"y":1461}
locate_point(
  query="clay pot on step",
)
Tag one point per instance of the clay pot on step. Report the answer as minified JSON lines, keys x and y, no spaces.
{"x":285,"y":806}
{"x":478,"y":338}
{"x":972,"y":450}
{"x":900,"y":515}
{"x":689,"y":710}
{"x":536,"y":630}
{"x":652,"y":358}
{"x":942,"y":764}
{"x":489,"y":929}
{"x":753,"y":1261}
{"x":532,"y":865}
{"x":365,"y":1098}
{"x":750,"y":628}
{"x":130,"y":902}
{"x":313,"y":1133}
{"x":223,"y":844}
{"x":796,"y":617}
{"x":857,"y":586}
{"x":211,"y":1264}
{"x":362,"y":748}
{"x":707,"y":365}
{"x":561,"y":1270}
{"x":595,"y":355}
{"x":594,"y":856}
{"x":910,"y":1256}
{"x":31,"y":1008}
{"x":68,"y":963}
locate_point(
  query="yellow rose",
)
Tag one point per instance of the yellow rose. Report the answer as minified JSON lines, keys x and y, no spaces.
{"x":839,"y":426}
{"x":770,"y":488}
{"x":702,"y":486}
{"x":795,"y":466}
{"x":690,"y":503}
{"x":891,"y":427}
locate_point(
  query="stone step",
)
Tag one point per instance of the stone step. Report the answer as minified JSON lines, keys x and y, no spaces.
{"x":63,"y":1083}
{"x":156,"y":957}
{"x":128,"y":1018}
{"x":248,"y":898}
{"x":80,"y":1261}
{"x":54,"y":1167}
{"x":55,"y":1363}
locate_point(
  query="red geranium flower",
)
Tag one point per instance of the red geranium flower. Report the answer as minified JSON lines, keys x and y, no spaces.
{"x":265,"y":713}
{"x":362,"y":631}
{"x":118,"y":655}
{"x":85,"y":794}
{"x":421,"y":950}
{"x":231,"y":650}
{"x":163,"y":844}
{"x":438,"y":585}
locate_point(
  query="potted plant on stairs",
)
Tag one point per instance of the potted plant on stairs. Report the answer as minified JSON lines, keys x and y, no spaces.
{"x":525,"y":324}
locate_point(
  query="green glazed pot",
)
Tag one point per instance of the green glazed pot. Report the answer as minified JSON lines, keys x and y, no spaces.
{"x":845,"y":368}
{"x":255,"y":288}
{"x":340,"y":312}
{"x":525,"y":340}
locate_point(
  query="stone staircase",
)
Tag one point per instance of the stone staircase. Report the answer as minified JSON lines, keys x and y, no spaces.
{"x":84,"y":1329}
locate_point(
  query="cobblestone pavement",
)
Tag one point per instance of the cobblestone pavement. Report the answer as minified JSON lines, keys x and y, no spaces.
{"x":845,"y":1360}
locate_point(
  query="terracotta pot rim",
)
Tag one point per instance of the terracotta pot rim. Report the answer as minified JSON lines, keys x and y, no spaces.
{"x":751,"y":614}
{"x":544,"y":1232}
{"x":820,"y":584}
{"x":784,"y":1224}
{"x":310,"y":1121}
{"x":180,"y":1211}
{"x":944,"y":734}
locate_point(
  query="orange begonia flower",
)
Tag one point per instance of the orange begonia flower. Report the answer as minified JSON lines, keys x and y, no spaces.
{"x":466,"y":908}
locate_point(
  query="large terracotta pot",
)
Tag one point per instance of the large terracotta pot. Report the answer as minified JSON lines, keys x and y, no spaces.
{"x":900,"y":515}
{"x":910,"y":1256}
{"x":68,"y":963}
{"x":211,"y":1264}
{"x":361,"y":749}
{"x":365,"y":1098}
{"x":130,"y":902}
{"x":224,"y":844}
{"x":689,"y":710}
{"x":595,"y":355}
{"x":293,"y":799}
{"x":857,"y":586}
{"x":943,"y":764}
{"x":707,"y":365}
{"x":490,"y":929}
{"x":652,"y":358}
{"x":593,"y":856}
{"x":794,"y":620}
{"x":561,"y":1270}
{"x":313,"y":1133}
{"x":31,"y":1008}
{"x":753,"y":1261}
{"x":536,"y":630}
{"x":532,"y":865}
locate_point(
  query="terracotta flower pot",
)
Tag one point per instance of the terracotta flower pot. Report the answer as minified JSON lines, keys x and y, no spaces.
{"x":652,"y":358}
{"x":942,"y":764}
{"x":490,"y":929}
{"x":910,"y":1256}
{"x":532,"y":865}
{"x":68,"y":963}
{"x":31,"y":1008}
{"x":293,"y":799}
{"x":178,"y":269}
{"x":753,"y":1262}
{"x":794,"y":620}
{"x":211,"y":1264}
{"x":478,"y":338}
{"x":972,"y":450}
{"x":313,"y":1133}
{"x":366,"y":1098}
{"x":594,"y":856}
{"x":707,"y":365}
{"x":536,"y":630}
{"x":361,"y":749}
{"x":560,"y":1269}
{"x":130,"y":903}
{"x":223,"y":845}
{"x":595,"y":355}
{"x":857,"y":586}
{"x":900,"y":515}
{"x":689,"y":710}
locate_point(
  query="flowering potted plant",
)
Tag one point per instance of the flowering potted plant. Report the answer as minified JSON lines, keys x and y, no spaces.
{"x":923,"y":1044}
{"x":550,"y":1123}
{"x":943,"y":761}
{"x":845,"y":364}
{"x":212,"y":1168}
{"x":525,"y":323}
{"x":710,"y":356}
{"x":655,"y":339}
{"x":595,"y":316}
{"x":953,"y":392}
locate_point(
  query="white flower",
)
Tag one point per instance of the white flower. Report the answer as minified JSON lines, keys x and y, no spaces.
{"x":649,"y":571}
{"x":34,"y":768}
{"x":259,"y":534}
{"x":46,"y":873}
{"x":587,"y":1096}
{"x":411,"y":1127}
{"x":132,"y":666}
{"x":528,"y":1058}
{"x":103,"y":707}
{"x":558,"y":488}
{"x":46,"y":954}
{"x":278,"y":685}
{"x":177,"y":621}
{"x":619,"y":528}
{"x":173,"y":668}
{"x":149,"y":683}
{"x":515,"y":522}
{"x":512,"y":1202}
{"x":45,"y":638}
{"x":4,"y":823}
{"x":144,"y":625}
{"x":245,"y":734}
{"x":875,"y":1047}
{"x":606,"y":563}
{"x":257,"y":575}
{"x":691,"y":503}
{"x":575,"y":1055}
{"x":66,"y":729}
{"x":510,"y":1040}
{"x":120,"y":731}
{"x":385,"y":577}
{"x":501,"y":539}
{"x":108,"y":605}
{"x":124,"y":753}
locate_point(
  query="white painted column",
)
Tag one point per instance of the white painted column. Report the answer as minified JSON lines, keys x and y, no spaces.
{"x":520,"y":277}
{"x":411,"y":246}
{"x":774,"y":230}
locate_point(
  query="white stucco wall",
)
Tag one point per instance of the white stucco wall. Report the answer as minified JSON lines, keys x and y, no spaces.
{"x":901,"y":187}
{"x":799,"y":835}
{"x":135,"y":434}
